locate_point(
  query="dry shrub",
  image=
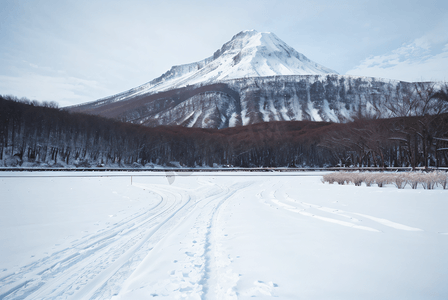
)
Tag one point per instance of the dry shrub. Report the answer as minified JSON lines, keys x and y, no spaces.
{"x":442,"y":179}
{"x":382,"y":179}
{"x":428,"y":180}
{"x":339,"y":177}
{"x":370,"y":178}
{"x":330,"y":178}
{"x":344,"y":178}
{"x":357,"y":178}
{"x":413,"y":179}
{"x":399,"y":180}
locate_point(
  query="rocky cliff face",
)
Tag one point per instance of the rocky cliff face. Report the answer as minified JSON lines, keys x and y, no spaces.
{"x":334,"y":98}
{"x":253,"y":100}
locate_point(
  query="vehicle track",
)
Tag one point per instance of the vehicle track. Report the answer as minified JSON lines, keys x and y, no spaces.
{"x":97,"y":265}
{"x":276,"y":194}
{"x":78,"y":269}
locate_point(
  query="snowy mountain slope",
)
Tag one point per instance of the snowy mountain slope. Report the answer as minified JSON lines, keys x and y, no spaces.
{"x":248,"y":54}
{"x":244,"y":101}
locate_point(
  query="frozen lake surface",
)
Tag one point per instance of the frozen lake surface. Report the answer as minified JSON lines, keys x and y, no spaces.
{"x":218,"y":236}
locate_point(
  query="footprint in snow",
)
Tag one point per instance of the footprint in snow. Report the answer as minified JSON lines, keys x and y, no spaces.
{"x":262,"y":288}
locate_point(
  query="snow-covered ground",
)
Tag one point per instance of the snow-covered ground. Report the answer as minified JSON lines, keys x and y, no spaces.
{"x":218,"y":236}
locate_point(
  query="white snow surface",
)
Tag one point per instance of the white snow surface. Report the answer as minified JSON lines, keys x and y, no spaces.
{"x":248,"y":54}
{"x":218,"y":236}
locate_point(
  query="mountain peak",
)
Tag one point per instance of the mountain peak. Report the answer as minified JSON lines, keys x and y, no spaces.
{"x":248,"y":54}
{"x":252,"y":54}
{"x":245,"y":33}
{"x":247,"y":39}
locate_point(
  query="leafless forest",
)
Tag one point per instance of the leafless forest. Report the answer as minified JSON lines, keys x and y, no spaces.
{"x":40,"y":134}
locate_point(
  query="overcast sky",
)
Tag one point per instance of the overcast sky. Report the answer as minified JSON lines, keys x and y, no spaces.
{"x":77,"y":51}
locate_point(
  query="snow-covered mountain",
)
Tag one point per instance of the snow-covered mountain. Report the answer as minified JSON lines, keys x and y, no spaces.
{"x":248,"y":54}
{"x":255,"y":77}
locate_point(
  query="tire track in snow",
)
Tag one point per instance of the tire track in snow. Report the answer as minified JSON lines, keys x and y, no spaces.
{"x":191,"y":248}
{"x":192,"y":279}
{"x":205,"y":261}
{"x":64,"y":273}
{"x":222,"y":280}
{"x":279,"y":197}
{"x":302,"y":211}
{"x":114,"y":284}
{"x":211,"y":276}
{"x":345,"y":214}
{"x":125,"y":261}
{"x":64,"y":255}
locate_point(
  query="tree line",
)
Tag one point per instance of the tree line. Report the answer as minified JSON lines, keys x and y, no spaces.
{"x":41,"y":134}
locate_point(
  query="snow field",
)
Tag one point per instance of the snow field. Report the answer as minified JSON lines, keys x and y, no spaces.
{"x":218,"y":236}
